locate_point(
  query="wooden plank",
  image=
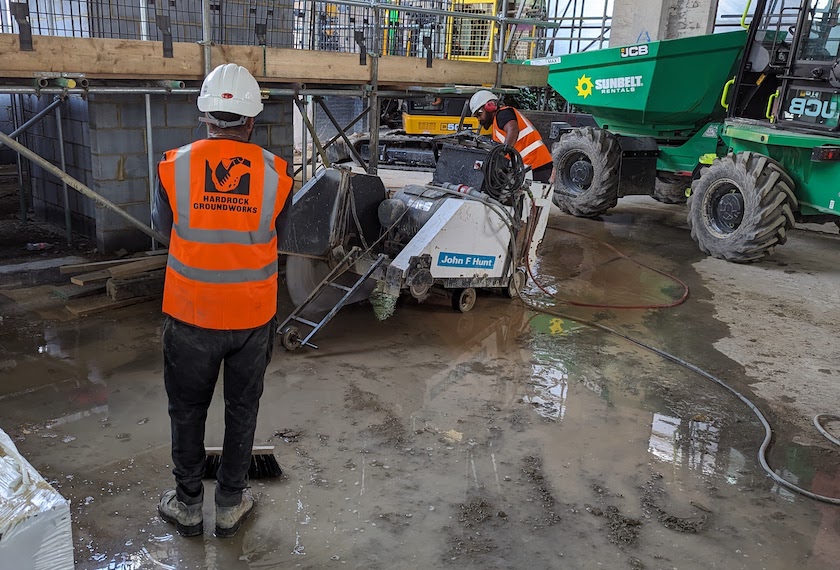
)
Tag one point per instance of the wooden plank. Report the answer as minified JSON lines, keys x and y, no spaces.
{"x":91,"y":266}
{"x":314,"y":67}
{"x":135,"y":267}
{"x":100,"y":57}
{"x":68,"y":292}
{"x":142,"y":285}
{"x":91,"y":306}
{"x":135,"y":59}
{"x":94,"y":277}
{"x":157,"y":252}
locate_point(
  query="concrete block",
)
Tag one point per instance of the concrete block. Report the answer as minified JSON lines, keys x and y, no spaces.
{"x":106,"y":220}
{"x":281,"y":135}
{"x":182,"y":114}
{"x":77,"y":109}
{"x":103,"y":115}
{"x":260,"y":136}
{"x":75,"y":132}
{"x":121,"y":167}
{"x":105,"y":167}
{"x":117,"y":141}
{"x":123,"y":192}
{"x":133,"y":115}
{"x":82,"y":156}
{"x":169,"y":138}
{"x":137,"y":166}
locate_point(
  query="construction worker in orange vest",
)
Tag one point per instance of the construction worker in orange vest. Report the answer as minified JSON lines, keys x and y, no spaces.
{"x":220,"y":200}
{"x":510,"y":127}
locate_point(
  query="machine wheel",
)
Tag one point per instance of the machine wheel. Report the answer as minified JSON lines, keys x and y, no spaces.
{"x":670,"y":189}
{"x":463,"y":299}
{"x":516,"y":284}
{"x":586,"y":163}
{"x":420,"y":292}
{"x":290,"y":338}
{"x":742,"y":207}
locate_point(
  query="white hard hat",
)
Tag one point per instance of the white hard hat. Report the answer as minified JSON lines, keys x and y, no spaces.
{"x":230,"y":88}
{"x":480,"y":99}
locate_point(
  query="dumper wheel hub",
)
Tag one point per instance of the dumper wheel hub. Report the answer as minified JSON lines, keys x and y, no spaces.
{"x":727,"y":209}
{"x":578,"y":173}
{"x":582,"y":173}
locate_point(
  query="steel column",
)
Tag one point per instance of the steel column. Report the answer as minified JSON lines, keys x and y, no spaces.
{"x":21,"y":186}
{"x":68,"y":224}
{"x":150,"y":158}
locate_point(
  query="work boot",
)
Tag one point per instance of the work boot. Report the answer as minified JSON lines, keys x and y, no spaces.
{"x":229,"y":519}
{"x":188,"y":519}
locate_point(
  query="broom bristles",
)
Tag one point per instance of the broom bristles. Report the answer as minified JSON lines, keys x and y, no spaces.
{"x":264,"y":464}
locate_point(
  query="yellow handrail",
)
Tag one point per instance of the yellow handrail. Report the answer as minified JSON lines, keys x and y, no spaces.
{"x":726,"y":87}
{"x":770,"y":100}
{"x":744,"y":16}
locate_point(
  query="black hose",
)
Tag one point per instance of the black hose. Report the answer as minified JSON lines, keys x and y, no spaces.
{"x":768,"y":431}
{"x":504,"y":173}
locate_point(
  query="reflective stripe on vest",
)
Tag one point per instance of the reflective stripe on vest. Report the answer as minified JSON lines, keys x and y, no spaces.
{"x":529,"y":143}
{"x":223,"y":277}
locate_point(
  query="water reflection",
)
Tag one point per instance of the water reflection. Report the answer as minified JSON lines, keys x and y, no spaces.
{"x":693,"y":444}
{"x":139,"y":560}
{"x":551,"y":387}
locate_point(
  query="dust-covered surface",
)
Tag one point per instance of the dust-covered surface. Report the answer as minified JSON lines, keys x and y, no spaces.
{"x":794,"y":295}
{"x":496,"y":439}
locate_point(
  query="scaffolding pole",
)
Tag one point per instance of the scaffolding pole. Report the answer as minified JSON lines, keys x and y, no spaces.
{"x":81,"y":188}
{"x":68,"y":224}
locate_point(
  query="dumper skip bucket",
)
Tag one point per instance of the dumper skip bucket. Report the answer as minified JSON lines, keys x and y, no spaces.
{"x":664,"y":89}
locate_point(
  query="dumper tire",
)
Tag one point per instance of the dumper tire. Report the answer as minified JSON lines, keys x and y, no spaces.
{"x":742,"y":207}
{"x":586,"y":163}
{"x":671,"y":189}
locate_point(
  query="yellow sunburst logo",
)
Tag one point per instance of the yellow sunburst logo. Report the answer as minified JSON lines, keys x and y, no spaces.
{"x":584,"y":86}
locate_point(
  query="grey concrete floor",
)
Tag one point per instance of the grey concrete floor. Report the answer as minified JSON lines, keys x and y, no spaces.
{"x":500,"y":438}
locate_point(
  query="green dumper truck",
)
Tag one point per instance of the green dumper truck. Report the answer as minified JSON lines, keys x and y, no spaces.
{"x":744,"y":124}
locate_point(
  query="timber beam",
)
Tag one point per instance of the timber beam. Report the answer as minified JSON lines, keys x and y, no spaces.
{"x":103,"y":58}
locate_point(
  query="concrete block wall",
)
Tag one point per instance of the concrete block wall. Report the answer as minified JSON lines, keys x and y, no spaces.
{"x":118,"y":148}
{"x":105,"y":148}
{"x":47,"y":193}
{"x":6,"y":126}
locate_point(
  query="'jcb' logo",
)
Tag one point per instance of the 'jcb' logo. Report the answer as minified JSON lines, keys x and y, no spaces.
{"x":634,"y":51}
{"x":813,"y":108}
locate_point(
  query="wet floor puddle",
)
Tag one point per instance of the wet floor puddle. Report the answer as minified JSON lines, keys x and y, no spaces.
{"x":496,"y":439}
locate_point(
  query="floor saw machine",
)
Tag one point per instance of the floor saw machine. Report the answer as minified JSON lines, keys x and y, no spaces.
{"x":474,"y":226}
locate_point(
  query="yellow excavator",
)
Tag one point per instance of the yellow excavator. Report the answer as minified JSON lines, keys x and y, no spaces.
{"x":417,"y":122}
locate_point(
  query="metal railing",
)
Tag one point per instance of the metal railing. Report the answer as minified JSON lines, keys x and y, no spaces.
{"x":472,"y":30}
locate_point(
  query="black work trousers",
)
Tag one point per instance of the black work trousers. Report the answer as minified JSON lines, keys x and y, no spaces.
{"x":192,"y":358}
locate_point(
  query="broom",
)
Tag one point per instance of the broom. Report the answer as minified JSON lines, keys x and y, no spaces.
{"x":263,"y":463}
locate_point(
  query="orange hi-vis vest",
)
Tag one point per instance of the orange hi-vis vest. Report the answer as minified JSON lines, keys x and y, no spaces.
{"x":529,"y":144}
{"x":225,"y":197}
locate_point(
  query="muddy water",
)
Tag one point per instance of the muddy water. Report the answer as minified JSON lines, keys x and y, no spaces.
{"x":496,"y":439}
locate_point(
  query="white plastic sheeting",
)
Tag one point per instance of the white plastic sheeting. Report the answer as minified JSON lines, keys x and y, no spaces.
{"x":35,"y":527}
